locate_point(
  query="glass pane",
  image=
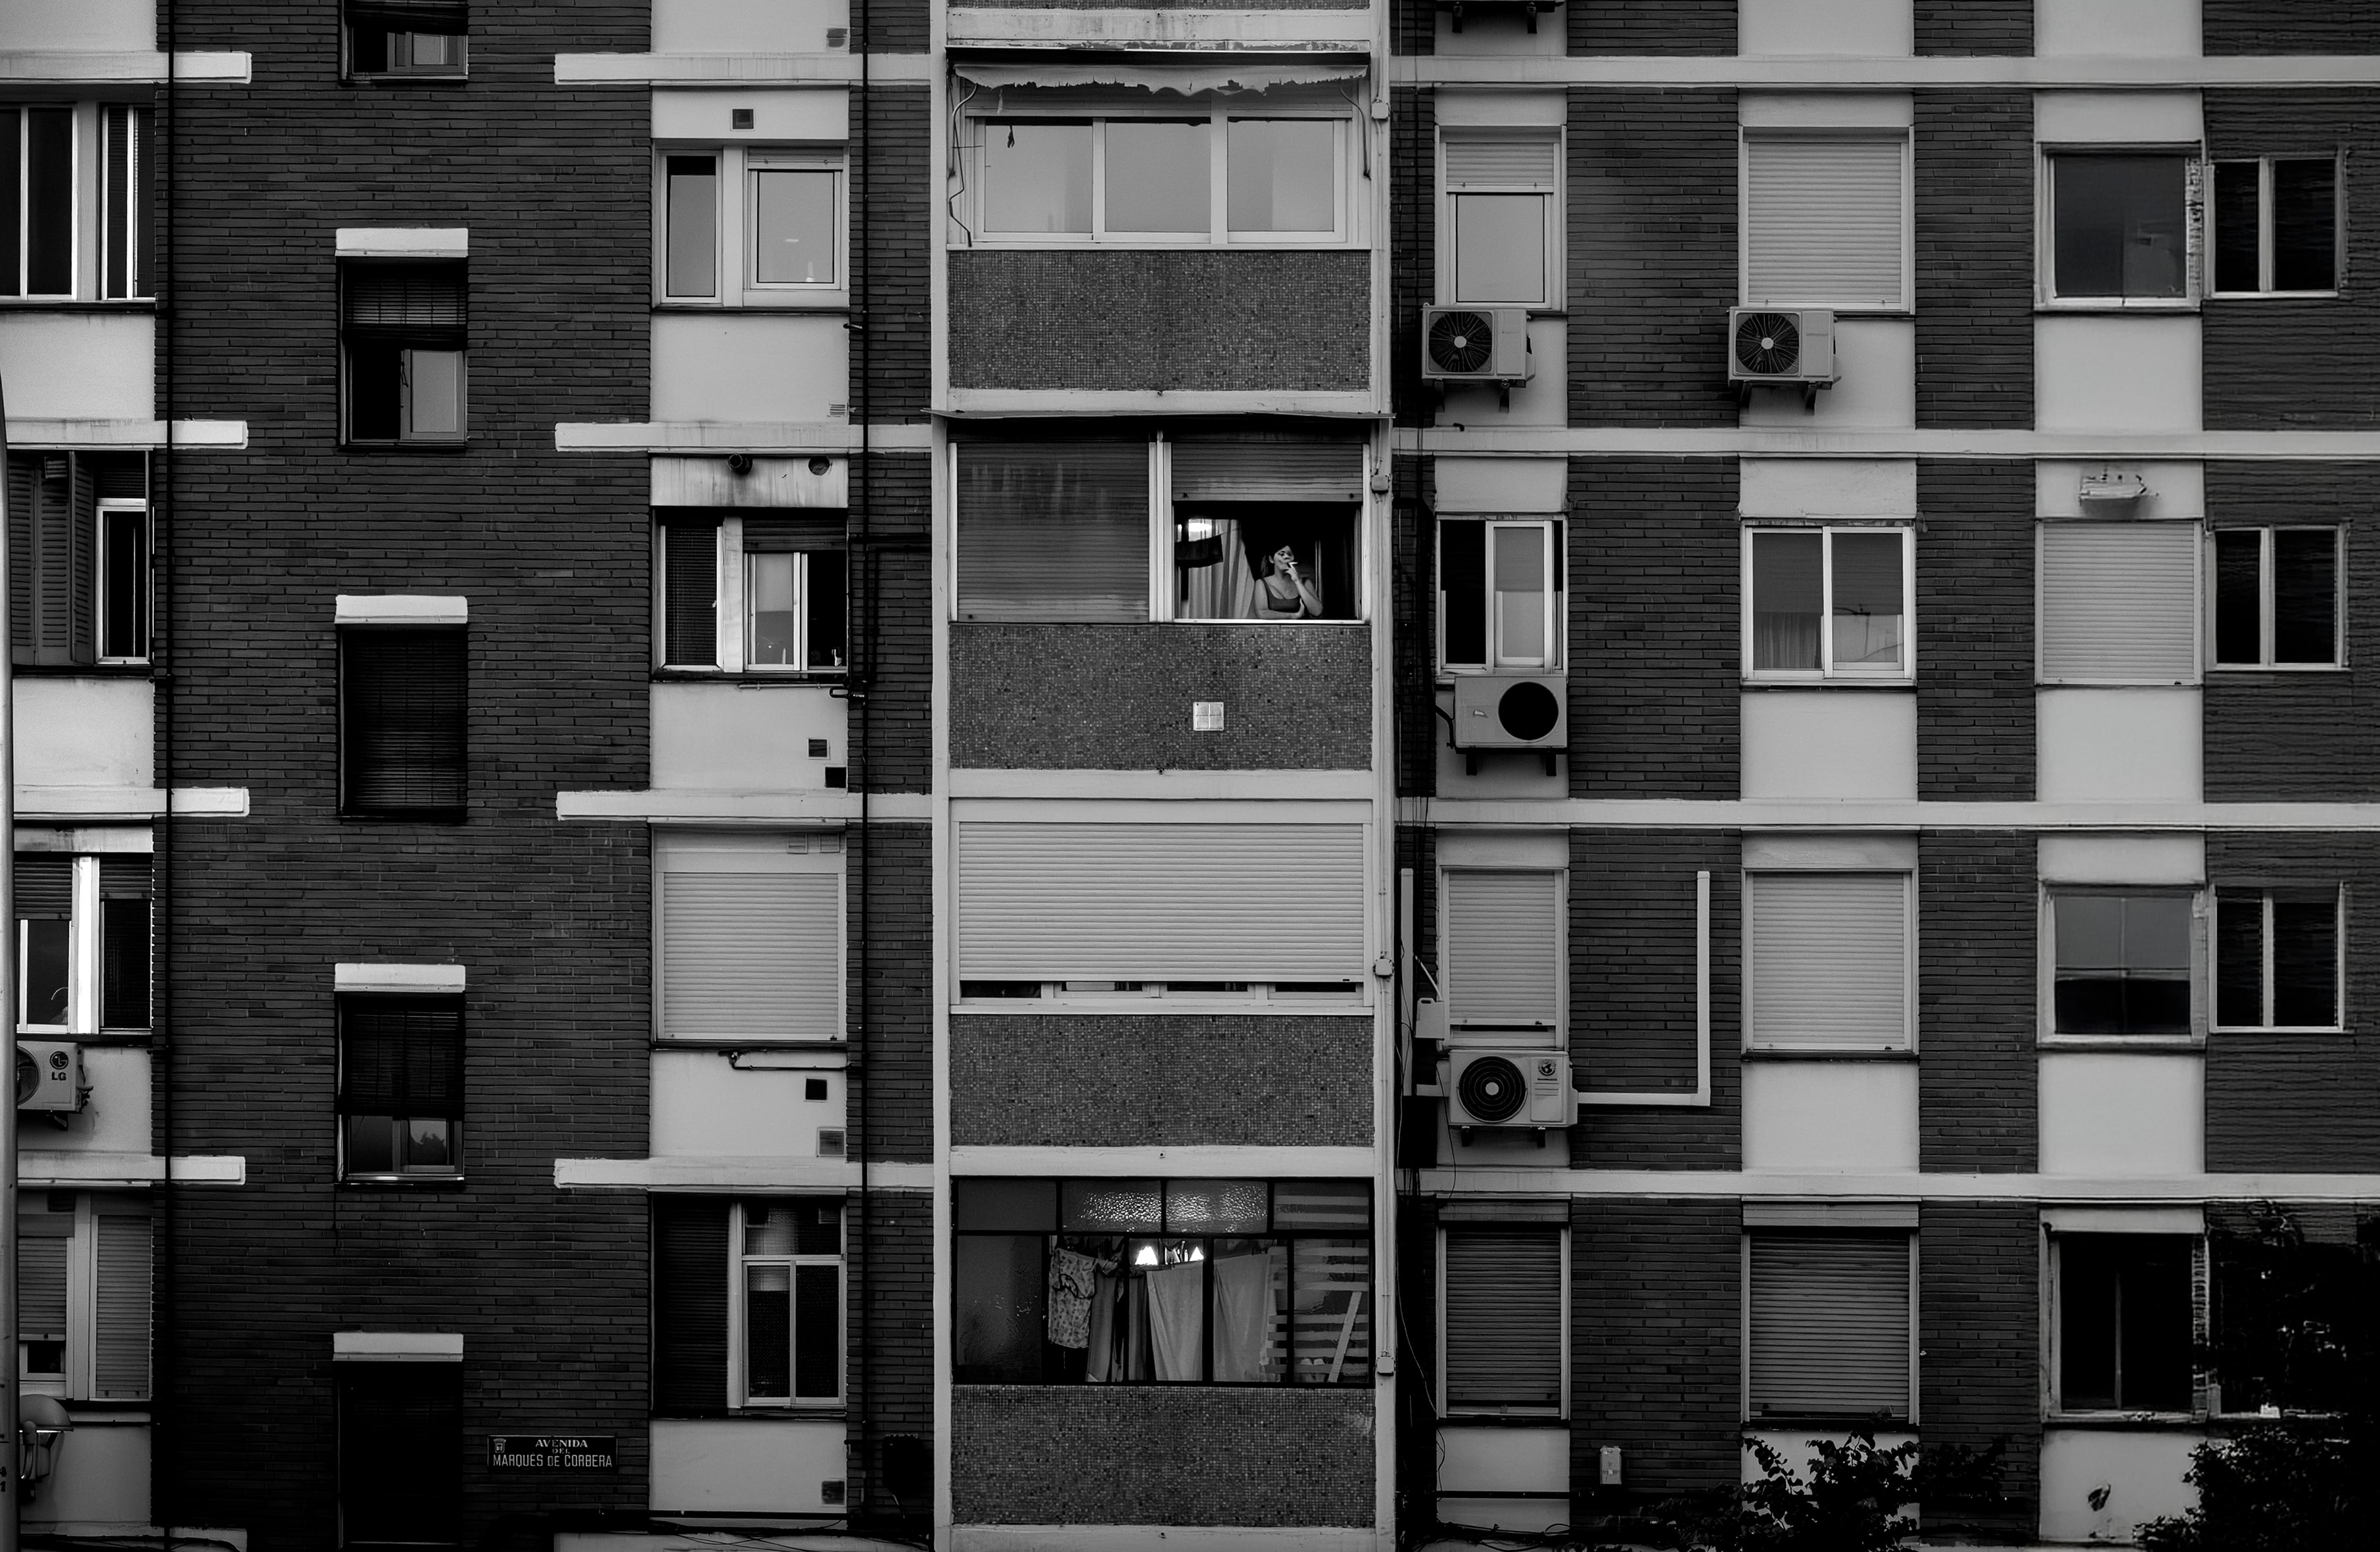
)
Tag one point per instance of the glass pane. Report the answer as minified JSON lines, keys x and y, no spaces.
{"x":2086,"y":1324}
{"x":1463,"y":590}
{"x":774,"y":635}
{"x":1266,"y":562}
{"x":2238,"y":201}
{"x":2305,"y":596}
{"x":2157,"y":933}
{"x":1521,"y":579}
{"x":2121,"y":226}
{"x":693,"y":237}
{"x":124,"y":585}
{"x":11,"y":214}
{"x":768,"y":1332}
{"x":1029,"y":1206}
{"x":429,"y":1143}
{"x":1788,"y":591}
{"x":2240,"y":958}
{"x":433,"y":50}
{"x":1332,"y":1321}
{"x":1500,"y":247}
{"x":996,"y":1312}
{"x":2239,"y":595}
{"x":792,"y":226}
{"x":371,"y":1145}
{"x":2154,"y":1323}
{"x":1159,"y":175}
{"x":1314,"y":1204}
{"x":823,"y":583}
{"x":2305,"y":225}
{"x":817,"y":1332}
{"x":2090,"y":932}
{"x":49,"y":201}
{"x":2305,"y":963}
{"x":1037,"y":177}
{"x":1236,"y":1206}
{"x":1282,"y":174}
{"x":48,"y":947}
{"x":1868,"y":602}
{"x":769,"y":1228}
{"x":1111,"y":1207}
{"x":434,"y":394}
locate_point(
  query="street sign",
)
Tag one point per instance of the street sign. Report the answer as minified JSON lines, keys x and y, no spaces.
{"x":553,"y":1452}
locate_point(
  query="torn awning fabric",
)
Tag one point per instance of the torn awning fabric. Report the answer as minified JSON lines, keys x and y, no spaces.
{"x":1187,"y":80}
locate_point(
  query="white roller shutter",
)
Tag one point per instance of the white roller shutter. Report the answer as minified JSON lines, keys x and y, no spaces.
{"x":1160,"y":902}
{"x":1830,"y":1329}
{"x":1829,"y":959}
{"x":2119,"y":603}
{"x":1284,"y":471}
{"x":1825,"y":221}
{"x":1502,"y":158}
{"x":750,"y":953}
{"x":120,"y":1316}
{"x":1503,"y":1320}
{"x":1503,"y":949}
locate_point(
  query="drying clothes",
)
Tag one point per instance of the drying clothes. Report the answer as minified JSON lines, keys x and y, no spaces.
{"x":1073,"y":1278}
{"x":1243,"y":1319}
{"x":1103,"y":1363}
{"x":1177,"y":1310}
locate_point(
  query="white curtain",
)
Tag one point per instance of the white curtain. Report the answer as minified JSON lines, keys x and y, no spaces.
{"x":1177,"y":1299}
{"x":1243,"y":1319}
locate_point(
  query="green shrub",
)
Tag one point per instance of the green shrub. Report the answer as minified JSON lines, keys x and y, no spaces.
{"x":2272,"y":1490}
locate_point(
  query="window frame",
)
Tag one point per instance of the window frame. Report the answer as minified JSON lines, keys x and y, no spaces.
{"x":2201,"y":996}
{"x":739,"y":1397}
{"x":394,"y":75}
{"x":78,"y":1379}
{"x":1447,"y":1410}
{"x":1905,"y":139}
{"x":431,"y":813}
{"x":1827,"y":672}
{"x":732,"y":592}
{"x":1753,"y":1043}
{"x":404,"y":442}
{"x":1556,"y":298}
{"x":2267,"y":603}
{"x":1752,"y":1418}
{"x":81,"y":115}
{"x":2053,"y":1345}
{"x":1470,"y":1034}
{"x":2266,"y":895}
{"x":1556,"y":544}
{"x":735,"y":279}
{"x":2047,"y":297}
{"x":824,"y":852}
{"x":448,"y":1174}
{"x":102,"y":562}
{"x":2263,"y":165}
{"x":87,"y":957}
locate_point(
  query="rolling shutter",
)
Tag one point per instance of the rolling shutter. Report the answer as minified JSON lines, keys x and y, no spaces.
{"x":1267,"y":471}
{"x":120,"y":1321}
{"x":401,"y":1056}
{"x":1829,"y":959}
{"x":1830,"y":1329}
{"x":1053,"y":532}
{"x":1503,"y":950}
{"x":42,"y":887}
{"x":418,"y":16}
{"x":2119,"y":603}
{"x":423,"y":304}
{"x":1157,"y":902}
{"x":1503,"y":1320}
{"x":1502,"y":158}
{"x":690,"y":592}
{"x":43,"y":1243}
{"x":1825,"y":221}
{"x":746,"y":953}
{"x":690,"y":1306}
{"x":402,"y":720}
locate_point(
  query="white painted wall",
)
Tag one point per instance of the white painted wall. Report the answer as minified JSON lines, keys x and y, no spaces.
{"x":1505,"y":33}
{"x":1847,"y":27}
{"x":116,"y":1118}
{"x":1502,"y":485}
{"x":103,"y":1477}
{"x":751,"y":1465}
{"x":757,"y":739}
{"x":2112,"y":373}
{"x":703,"y":1108}
{"x":1544,"y":400}
{"x":1503,"y":1460}
{"x":79,"y":26}
{"x":1853,"y":742}
{"x":2123,"y":1113}
{"x":2175,"y":491}
{"x":2123,"y":859}
{"x":1878,"y":358}
{"x":2153,"y":28}
{"x":1825,"y":1116}
{"x":745,"y":26}
{"x":2137,"y":744}
{"x":1820,"y":488}
{"x":79,"y":366}
{"x":85,"y":733}
{"x":2118,"y":119}
{"x":817,"y":113}
{"x":2140,"y":1469}
{"x":749,"y":367}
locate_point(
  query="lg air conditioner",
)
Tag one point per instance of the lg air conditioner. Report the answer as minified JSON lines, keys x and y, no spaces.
{"x":1509,"y":1090}
{"x":49,"y":1076}
{"x":1782,"y":348}
{"x":1519,"y":710}
{"x":1487,"y":346}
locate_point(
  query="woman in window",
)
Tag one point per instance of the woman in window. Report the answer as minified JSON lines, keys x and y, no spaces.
{"x":1285,"y":589}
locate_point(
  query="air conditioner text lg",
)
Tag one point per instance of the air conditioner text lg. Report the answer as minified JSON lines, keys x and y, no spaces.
{"x":49,"y":1076}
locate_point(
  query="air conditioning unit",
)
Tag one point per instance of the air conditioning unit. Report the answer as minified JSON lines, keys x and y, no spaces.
{"x":1510,"y":1090}
{"x":1511,"y":711}
{"x":1782,"y":348}
{"x":49,"y":1076}
{"x":1476,"y":344}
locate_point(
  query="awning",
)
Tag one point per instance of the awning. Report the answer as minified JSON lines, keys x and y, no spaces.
{"x":1188,"y":82}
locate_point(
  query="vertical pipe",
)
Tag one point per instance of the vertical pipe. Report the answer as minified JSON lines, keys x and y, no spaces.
{"x":861,"y":757}
{"x":12,"y":1489}
{"x":161,"y":644}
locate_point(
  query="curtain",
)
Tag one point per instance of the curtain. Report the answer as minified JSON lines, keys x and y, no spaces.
{"x":1243,"y":1319}
{"x":1177,"y":1299}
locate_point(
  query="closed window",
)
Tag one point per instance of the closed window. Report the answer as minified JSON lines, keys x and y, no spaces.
{"x":752,"y":594}
{"x":402,"y":38}
{"x":1831,"y":1334}
{"x":1506,"y":1321}
{"x":400,"y":1455}
{"x":1825,"y":220}
{"x":75,"y":192}
{"x":78,"y":545}
{"x":1500,"y":592}
{"x":2121,"y":963}
{"x":750,"y":935}
{"x":2276,"y":958}
{"x":1166,"y":1283}
{"x":1827,"y":603}
{"x":82,"y":942}
{"x":1500,"y":217}
{"x":84,"y":1287}
{"x":406,"y":329}
{"x":776,"y":214}
{"x":2120,"y":603}
{"x":2276,"y":602}
{"x":787,"y":1334}
{"x":400,"y":1088}
{"x":1053,"y":532}
{"x":401,"y":722}
{"x":2120,"y":226}
{"x":2125,"y":1322}
{"x":1830,"y":961}
{"x":1504,"y":954}
{"x":2276,"y":226}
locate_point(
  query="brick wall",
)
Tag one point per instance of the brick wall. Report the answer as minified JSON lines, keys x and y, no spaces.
{"x":1655,"y":1346}
{"x":891,"y":1355}
{"x":1413,"y":538}
{"x":1413,"y":27}
{"x":896,"y":277}
{"x":1975,"y":716}
{"x":1974,"y":27}
{"x":1245,"y":320}
{"x":1118,"y":697}
{"x":1417,"y":1384}
{"x":1117,"y":1081}
{"x":2290,"y":362}
{"x":892,"y":581}
{"x":1673,"y":27}
{"x":889,"y":873}
{"x":1978,"y":1013}
{"x":1148,"y":1455}
{"x":892,"y":26}
{"x":1979,"y":1375}
{"x":1632,"y":995}
{"x":1652,"y":250}
{"x":2302,"y":27}
{"x":1655,"y":570}
{"x":1412,"y":240}
{"x":1975,"y":258}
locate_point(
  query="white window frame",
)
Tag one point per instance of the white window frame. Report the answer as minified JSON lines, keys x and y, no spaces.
{"x":1906,"y":142}
{"x":825,"y":853}
{"x":735,"y":283}
{"x":80,"y":1378}
{"x":2263,"y":165}
{"x":2267,"y":605}
{"x":1828,"y":672}
{"x":1556,"y":593}
{"x":83,"y":955}
{"x":981,"y":123}
{"x":83,"y":286}
{"x":1561,"y":1413}
{"x":734,"y":612}
{"x":1910,"y":921}
{"x":101,"y":561}
{"x":2053,"y":1347}
{"x":739,"y":1315}
{"x":2338,"y":971}
{"x":2201,"y":967}
{"x":1743,"y":1280}
{"x":1556,"y":220}
{"x":141,"y":131}
{"x":2193,"y":203}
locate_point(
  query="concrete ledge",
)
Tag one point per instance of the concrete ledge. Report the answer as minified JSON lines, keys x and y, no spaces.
{"x":404,"y":242}
{"x":729,"y":1173}
{"x":733,"y":436}
{"x":736,"y":70}
{"x":416,"y":979}
{"x":37,"y":803}
{"x":1194,"y":1160}
{"x":2097,"y":1189}
{"x":1159,"y":401}
{"x":1333,"y":786}
{"x":1729,"y":441}
{"x":398,"y":1347}
{"x":38,"y":66}
{"x":61,"y":1170}
{"x":689,"y":805}
{"x":217,"y":434}
{"x":1727,"y":814}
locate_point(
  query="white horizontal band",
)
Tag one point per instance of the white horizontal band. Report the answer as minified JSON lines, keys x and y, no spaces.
{"x":398,"y":1347}
{"x":403,"y":609}
{"x":420,"y":979}
{"x":405,"y":242}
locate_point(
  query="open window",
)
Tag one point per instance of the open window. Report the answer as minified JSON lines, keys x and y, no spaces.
{"x":406,"y":336}
{"x":752,"y":594}
{"x":2276,"y":226}
{"x":786,"y":1333}
{"x":2277,"y":958}
{"x":1827,"y":603}
{"x":2119,"y":227}
{"x":396,"y":39}
{"x":2125,"y":1322}
{"x":1499,"y":591}
{"x":82,"y":942}
{"x":79,"y":538}
{"x":775,"y":213}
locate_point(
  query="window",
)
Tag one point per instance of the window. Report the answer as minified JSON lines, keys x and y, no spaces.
{"x":2276,"y":959}
{"x":2121,"y":963}
{"x":400,"y":1088}
{"x":2276,"y":226}
{"x":1505,"y":1321}
{"x":2120,"y":226}
{"x":1825,"y":220}
{"x":75,"y":223}
{"x":1500,"y":592}
{"x":126,"y":191}
{"x":2126,"y":1323}
{"x":84,"y":1283}
{"x":2120,"y":603}
{"x":400,"y":1455}
{"x":401,"y":720}
{"x":1827,"y":603}
{"x":752,"y":595}
{"x":1199,"y":174}
{"x":787,"y":1335}
{"x":2276,"y":598}
{"x":1831,"y":1331}
{"x":400,"y":38}
{"x":784,"y":233}
{"x":406,"y":327}
{"x":79,"y":544}
{"x":1504,"y":955}
{"x":1500,"y":217}
{"x":1123,"y":1281}
{"x":82,"y":942}
{"x":1830,"y":961}
{"x":750,"y":937}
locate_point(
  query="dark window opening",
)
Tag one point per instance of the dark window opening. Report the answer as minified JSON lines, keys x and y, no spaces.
{"x":400,"y":1085}
{"x":124,"y":942}
{"x":2276,"y":959}
{"x":2277,"y":225}
{"x":407,"y":331}
{"x":400,"y":1455}
{"x":36,"y":202}
{"x":129,"y":190}
{"x":1266,"y":561}
{"x":422,"y":38}
{"x":2122,"y":964}
{"x":2277,"y":597}
{"x":401,"y":720}
{"x":2124,"y":1323}
{"x":2120,"y":227}
{"x":78,"y":557}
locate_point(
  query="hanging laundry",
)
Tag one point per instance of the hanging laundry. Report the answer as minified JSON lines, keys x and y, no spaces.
{"x":1073,"y":1278}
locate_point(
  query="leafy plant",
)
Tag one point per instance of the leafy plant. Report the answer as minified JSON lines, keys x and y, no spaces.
{"x":2271,"y":1490}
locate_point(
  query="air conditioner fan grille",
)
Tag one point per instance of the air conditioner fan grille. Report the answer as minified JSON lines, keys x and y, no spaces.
{"x":1462,"y":342}
{"x":1492,"y":1088}
{"x":1768,"y":344}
